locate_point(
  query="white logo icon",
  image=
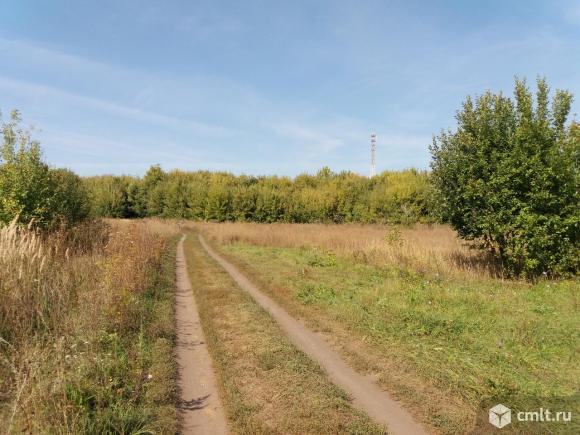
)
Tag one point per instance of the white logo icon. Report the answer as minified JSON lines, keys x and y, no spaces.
{"x":500,"y":416}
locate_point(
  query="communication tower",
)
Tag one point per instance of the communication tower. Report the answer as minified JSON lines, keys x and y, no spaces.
{"x":373,"y":155}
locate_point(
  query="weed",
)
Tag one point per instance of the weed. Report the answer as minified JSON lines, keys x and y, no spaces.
{"x":86,"y":318}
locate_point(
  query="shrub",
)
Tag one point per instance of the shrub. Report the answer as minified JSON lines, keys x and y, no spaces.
{"x":508,"y":178}
{"x":30,"y":190}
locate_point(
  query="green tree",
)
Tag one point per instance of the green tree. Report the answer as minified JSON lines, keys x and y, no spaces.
{"x":26,"y":186}
{"x":71,"y":197}
{"x":176,"y":201}
{"x":109,"y":196}
{"x":29,"y":189}
{"x":149,"y":202}
{"x":507,"y":179}
{"x":219,"y":199}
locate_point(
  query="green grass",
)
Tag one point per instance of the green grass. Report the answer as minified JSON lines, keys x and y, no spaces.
{"x":266,"y":384}
{"x":472,"y":342}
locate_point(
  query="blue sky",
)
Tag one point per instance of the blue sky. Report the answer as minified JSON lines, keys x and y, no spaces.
{"x":266,"y":87}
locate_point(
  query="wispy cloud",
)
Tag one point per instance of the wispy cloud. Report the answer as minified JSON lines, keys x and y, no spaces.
{"x":91,"y":145}
{"x":316,"y":141}
{"x":301,"y":133}
{"x":84,"y":152}
{"x":195,"y":98}
{"x":110,"y":107}
{"x":33,"y":53}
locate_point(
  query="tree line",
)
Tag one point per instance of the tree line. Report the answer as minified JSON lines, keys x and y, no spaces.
{"x":507,"y":178}
{"x":394,"y":196}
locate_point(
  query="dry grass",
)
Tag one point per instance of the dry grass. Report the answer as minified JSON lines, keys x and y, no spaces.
{"x":165,"y":228}
{"x":425,"y":249}
{"x":267,"y":385}
{"x":84,"y":317}
{"x":39,"y":277}
{"x":443,"y":335}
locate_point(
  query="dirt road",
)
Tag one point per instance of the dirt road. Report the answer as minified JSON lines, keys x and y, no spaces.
{"x":366,"y":395}
{"x":200,"y":408}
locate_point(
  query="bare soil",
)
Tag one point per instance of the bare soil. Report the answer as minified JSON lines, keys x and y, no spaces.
{"x":200,"y":409}
{"x":365,"y":393}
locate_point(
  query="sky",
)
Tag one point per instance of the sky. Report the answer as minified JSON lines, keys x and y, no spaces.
{"x":267,"y":87}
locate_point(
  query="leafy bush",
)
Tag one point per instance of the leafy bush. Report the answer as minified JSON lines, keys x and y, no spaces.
{"x":30,"y":190}
{"x":508,"y":178}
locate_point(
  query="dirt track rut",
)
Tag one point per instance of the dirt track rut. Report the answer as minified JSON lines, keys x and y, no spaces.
{"x":200,"y":409}
{"x":366,"y":395}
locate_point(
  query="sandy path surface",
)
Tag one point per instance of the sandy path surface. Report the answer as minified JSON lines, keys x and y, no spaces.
{"x":200,"y":409}
{"x":366,"y":395}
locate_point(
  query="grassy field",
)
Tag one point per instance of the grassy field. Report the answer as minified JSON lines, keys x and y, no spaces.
{"x":87,"y":329}
{"x":419,"y":312}
{"x":423,"y":249}
{"x":266,"y":384}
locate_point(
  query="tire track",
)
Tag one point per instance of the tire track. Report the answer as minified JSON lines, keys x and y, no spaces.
{"x":200,"y":409}
{"x":366,"y":395}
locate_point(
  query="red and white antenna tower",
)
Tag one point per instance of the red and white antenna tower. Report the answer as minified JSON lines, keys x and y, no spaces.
{"x":373,"y":154}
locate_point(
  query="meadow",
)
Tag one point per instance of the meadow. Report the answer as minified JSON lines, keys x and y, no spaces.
{"x":418,"y":310}
{"x":427,"y":249}
{"x":86,"y":327}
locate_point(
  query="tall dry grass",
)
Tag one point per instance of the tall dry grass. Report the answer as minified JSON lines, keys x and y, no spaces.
{"x":40,"y":277}
{"x":426,"y":249}
{"x":78,"y":327}
{"x":165,"y":228}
